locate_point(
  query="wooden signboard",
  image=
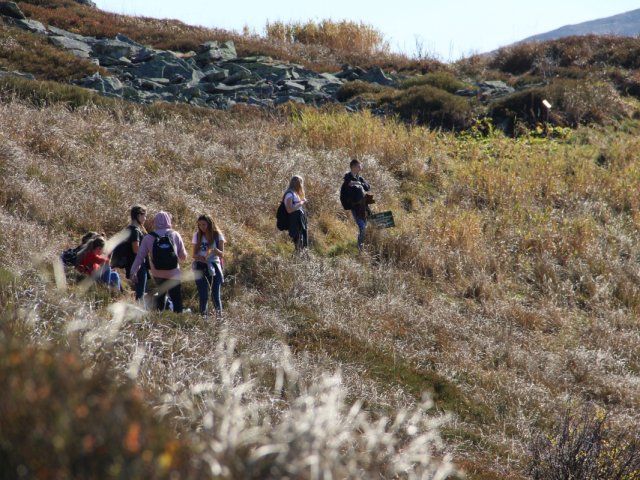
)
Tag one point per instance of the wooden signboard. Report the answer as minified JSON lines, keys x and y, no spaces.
{"x":382,"y":219}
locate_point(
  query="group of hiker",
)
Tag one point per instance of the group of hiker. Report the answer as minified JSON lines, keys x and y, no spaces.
{"x":157,"y":254}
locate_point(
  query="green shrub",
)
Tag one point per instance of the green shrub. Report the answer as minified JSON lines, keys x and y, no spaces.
{"x":356,"y":88}
{"x":442,"y":80}
{"x":517,"y":59}
{"x":431,"y":106}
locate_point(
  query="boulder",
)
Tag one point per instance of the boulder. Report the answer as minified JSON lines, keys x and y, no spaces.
{"x":11,"y":9}
{"x":377,"y":75}
{"x":77,"y":48}
{"x":114,"y":49}
{"x":494,"y":88}
{"x":291,"y":86}
{"x":214,"y":74}
{"x":59,"y":32}
{"x":106,"y":85}
{"x":32,"y":26}
{"x":211,"y":52}
{"x":162,"y":65}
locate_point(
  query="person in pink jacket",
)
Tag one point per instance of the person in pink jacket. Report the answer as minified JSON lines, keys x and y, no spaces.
{"x":167,"y":247}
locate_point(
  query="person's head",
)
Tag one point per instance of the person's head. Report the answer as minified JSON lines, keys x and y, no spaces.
{"x":138,"y":214}
{"x":97,"y":244}
{"x":296,"y":184}
{"x":355,"y":166}
{"x":162,"y":221}
{"x":88,"y":236}
{"x":207,"y":227}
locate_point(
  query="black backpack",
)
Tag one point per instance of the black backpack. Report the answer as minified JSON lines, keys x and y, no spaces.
{"x":163,"y":254}
{"x":70,"y":256}
{"x":345,"y":198}
{"x":123,"y":256}
{"x":282,"y":216}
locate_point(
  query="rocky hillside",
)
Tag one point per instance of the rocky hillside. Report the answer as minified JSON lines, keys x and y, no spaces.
{"x":507,"y":89}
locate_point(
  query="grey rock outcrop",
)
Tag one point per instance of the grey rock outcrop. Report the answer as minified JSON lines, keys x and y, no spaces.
{"x":11,"y":10}
{"x":213,"y":76}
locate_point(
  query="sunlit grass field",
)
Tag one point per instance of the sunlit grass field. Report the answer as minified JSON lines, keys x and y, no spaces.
{"x":508,"y":292}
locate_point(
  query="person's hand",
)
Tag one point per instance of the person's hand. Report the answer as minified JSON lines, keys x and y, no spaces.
{"x":134,"y":278}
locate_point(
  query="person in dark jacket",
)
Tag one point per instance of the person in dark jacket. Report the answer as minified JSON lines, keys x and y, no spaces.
{"x":356,"y":191}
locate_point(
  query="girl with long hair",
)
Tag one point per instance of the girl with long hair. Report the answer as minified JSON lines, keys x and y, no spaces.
{"x":294,"y":201}
{"x":208,"y":253}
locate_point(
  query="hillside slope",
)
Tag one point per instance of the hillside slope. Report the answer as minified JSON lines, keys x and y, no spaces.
{"x":624,"y":24}
{"x":508,"y":292}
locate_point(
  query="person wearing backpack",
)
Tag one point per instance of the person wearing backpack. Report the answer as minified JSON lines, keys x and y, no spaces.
{"x":208,"y":252}
{"x":96,"y":265}
{"x":72,"y":257}
{"x":125,"y":252}
{"x":294,"y":200}
{"x":166,"y":250}
{"x":353,"y":197}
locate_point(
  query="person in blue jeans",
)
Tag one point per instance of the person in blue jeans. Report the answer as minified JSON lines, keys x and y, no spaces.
{"x":208,"y":254}
{"x":356,"y":187}
{"x":135,"y":232}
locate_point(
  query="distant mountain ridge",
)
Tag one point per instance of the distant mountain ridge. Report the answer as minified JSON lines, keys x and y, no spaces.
{"x":624,"y":24}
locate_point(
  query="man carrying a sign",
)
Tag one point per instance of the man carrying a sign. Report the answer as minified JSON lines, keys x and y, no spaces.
{"x":353,"y":197}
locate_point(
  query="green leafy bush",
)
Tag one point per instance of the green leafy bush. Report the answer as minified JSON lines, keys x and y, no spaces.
{"x":442,"y":80}
{"x":356,"y":88}
{"x":431,"y":106}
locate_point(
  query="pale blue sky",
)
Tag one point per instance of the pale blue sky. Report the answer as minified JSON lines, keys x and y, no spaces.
{"x":447,"y":29}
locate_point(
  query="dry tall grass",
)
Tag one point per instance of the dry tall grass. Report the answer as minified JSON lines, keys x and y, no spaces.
{"x":509,"y":286}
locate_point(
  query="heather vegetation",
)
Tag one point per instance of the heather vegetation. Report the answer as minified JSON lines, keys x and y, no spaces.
{"x":493,"y":331}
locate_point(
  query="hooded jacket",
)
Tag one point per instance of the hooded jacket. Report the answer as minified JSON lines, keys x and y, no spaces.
{"x":161,"y":225}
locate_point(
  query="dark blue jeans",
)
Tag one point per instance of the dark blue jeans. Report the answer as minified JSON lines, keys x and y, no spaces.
{"x":173,"y":288}
{"x":362,"y":226}
{"x":110,"y":277}
{"x":207,"y":283}
{"x":141,"y":284}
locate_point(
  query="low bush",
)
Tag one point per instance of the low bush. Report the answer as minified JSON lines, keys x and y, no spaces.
{"x":443,"y":80}
{"x":585,"y":446}
{"x":574,"y":102}
{"x":63,"y":419}
{"x":517,"y":59}
{"x":355,"y":89}
{"x":428,"y":105}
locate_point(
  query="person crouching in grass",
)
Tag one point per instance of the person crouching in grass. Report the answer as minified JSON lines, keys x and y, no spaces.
{"x":96,"y":265}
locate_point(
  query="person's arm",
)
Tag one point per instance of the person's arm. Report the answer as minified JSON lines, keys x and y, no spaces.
{"x":365,"y":184}
{"x":140,"y":256}
{"x":219,"y":250}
